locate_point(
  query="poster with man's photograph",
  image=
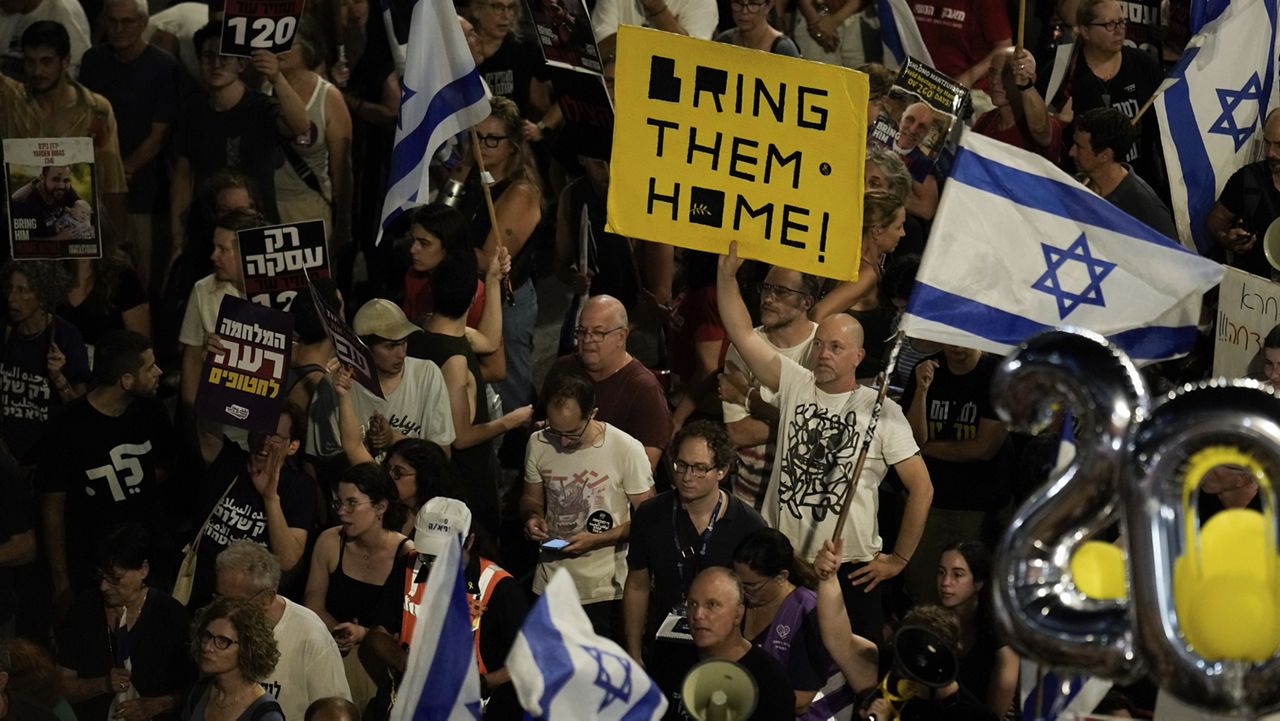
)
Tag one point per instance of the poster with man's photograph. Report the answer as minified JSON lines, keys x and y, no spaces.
{"x":52,"y":197}
{"x":920,"y":116}
{"x":564,"y":34}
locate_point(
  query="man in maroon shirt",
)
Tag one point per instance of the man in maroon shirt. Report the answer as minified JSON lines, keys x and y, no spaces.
{"x":628,"y":395}
{"x":1020,"y":117}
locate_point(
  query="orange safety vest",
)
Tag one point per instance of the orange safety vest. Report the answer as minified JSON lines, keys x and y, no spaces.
{"x":490,"y":575}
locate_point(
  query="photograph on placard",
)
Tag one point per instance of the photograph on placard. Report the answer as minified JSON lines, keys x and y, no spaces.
{"x":52,"y":198}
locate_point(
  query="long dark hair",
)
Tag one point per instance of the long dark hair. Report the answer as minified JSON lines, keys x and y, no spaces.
{"x":373,"y":480}
{"x":768,"y":552}
{"x":978,"y":559}
{"x":434,"y":474}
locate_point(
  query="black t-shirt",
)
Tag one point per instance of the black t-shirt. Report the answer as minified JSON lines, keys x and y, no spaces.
{"x":1251,"y":194}
{"x":28,"y":203}
{"x":106,"y":466}
{"x":1134,"y":196}
{"x":158,"y":648}
{"x":653,"y":547}
{"x":775,"y":700}
{"x":97,"y":316}
{"x":245,"y":138}
{"x":954,"y":406}
{"x":1139,"y":76}
{"x":509,"y":71}
{"x":28,"y":399}
{"x":17,"y":516}
{"x":142,"y":91}
{"x":241,"y":515}
{"x":960,"y":706}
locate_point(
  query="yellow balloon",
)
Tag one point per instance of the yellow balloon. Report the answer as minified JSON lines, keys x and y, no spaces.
{"x":1098,"y":570}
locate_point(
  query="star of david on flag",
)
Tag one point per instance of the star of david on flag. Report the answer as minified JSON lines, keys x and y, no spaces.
{"x":1231,"y":100}
{"x":1210,"y":108}
{"x":1052,"y":282}
{"x":563,"y":671}
{"x":1019,"y":247}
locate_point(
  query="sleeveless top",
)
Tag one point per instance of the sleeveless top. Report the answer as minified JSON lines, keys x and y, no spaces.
{"x":315,"y":153}
{"x":783,"y":636}
{"x":474,"y":209}
{"x":350,"y":599}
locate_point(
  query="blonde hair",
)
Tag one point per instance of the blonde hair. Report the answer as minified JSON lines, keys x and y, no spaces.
{"x":523,"y":168}
{"x":879,"y":208}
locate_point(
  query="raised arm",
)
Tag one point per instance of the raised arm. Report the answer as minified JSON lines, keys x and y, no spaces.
{"x":856,"y":657}
{"x":762,"y":360}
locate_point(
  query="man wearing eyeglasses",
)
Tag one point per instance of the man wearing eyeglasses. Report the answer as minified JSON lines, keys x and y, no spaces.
{"x":785,"y":299}
{"x":824,"y":414}
{"x":252,"y":496}
{"x":628,"y":395}
{"x":582,"y":478}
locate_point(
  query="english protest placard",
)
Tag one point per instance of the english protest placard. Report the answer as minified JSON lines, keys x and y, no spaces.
{"x":714,"y":142}
{"x":1248,"y":308}
{"x":250,"y":25}
{"x":278,"y":259}
{"x":919,"y":118}
{"x":52,"y":198}
{"x":243,"y":386}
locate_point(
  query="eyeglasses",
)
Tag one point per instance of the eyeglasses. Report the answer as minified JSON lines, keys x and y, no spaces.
{"x":491,"y":141}
{"x":348,"y":505}
{"x":750,"y":5}
{"x":216,"y":59}
{"x":222,"y":643}
{"x":595,"y":336}
{"x":111,"y":579}
{"x":398,"y":472}
{"x":1111,"y":25}
{"x":778,"y":291}
{"x":568,"y":440}
{"x":511,"y":9}
{"x":696,"y":470}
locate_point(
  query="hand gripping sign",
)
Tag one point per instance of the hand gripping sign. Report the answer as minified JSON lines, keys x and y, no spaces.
{"x":714,"y":143}
{"x":251,"y":25}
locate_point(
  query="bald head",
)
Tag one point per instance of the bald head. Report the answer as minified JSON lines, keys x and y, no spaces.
{"x":602,"y":336}
{"x":914,"y":125}
{"x":844,"y":326}
{"x":836,"y":353}
{"x":603,"y":309}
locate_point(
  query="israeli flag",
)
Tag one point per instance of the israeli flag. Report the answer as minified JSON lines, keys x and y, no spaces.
{"x":441,"y":680}
{"x":900,"y":34}
{"x":1019,"y":247}
{"x":1212,"y":107}
{"x":563,"y":671}
{"x":442,"y":96}
{"x":1047,"y":695}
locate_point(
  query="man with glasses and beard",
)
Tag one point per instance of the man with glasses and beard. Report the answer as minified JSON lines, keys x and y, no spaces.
{"x":785,"y":299}
{"x":582,"y":477}
{"x":678,"y":534}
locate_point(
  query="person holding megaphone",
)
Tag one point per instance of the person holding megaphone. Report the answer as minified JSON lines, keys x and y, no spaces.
{"x":919,"y":680}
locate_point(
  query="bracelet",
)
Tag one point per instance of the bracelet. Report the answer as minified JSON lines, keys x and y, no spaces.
{"x":747,"y":402}
{"x":1028,"y":86}
{"x":899,"y":555}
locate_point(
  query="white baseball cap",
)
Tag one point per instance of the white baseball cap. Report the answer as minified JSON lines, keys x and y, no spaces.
{"x":441,"y":521}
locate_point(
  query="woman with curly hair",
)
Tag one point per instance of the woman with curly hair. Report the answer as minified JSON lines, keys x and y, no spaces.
{"x":236,"y":649}
{"x":517,"y":202}
{"x":46,"y":364}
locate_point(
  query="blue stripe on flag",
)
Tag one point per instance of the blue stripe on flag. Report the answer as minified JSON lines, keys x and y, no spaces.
{"x":889,"y":34}
{"x":646,"y":706}
{"x":1001,"y":326}
{"x":412,"y":149}
{"x":1197,"y":171}
{"x":1047,"y":195}
{"x":549,"y":652}
{"x":445,"y":678}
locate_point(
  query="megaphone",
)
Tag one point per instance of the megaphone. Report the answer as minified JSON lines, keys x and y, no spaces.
{"x":1271,"y":244}
{"x":921,"y":661}
{"x":719,"y":690}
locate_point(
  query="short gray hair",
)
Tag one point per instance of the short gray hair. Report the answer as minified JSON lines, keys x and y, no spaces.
{"x":258,"y":564}
{"x":893,"y":168}
{"x":139,"y":5}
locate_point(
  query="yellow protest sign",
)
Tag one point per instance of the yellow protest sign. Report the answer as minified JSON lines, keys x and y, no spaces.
{"x":713,"y":143}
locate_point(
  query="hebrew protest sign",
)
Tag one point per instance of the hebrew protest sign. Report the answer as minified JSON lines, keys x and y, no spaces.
{"x":347,"y":346}
{"x":244,"y":385}
{"x":277,"y":259}
{"x":52,"y":198}
{"x":1248,"y":308}
{"x":713,"y":143}
{"x":918,"y":117}
{"x":251,"y":25}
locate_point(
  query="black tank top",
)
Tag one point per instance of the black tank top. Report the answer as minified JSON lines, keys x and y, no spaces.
{"x":350,"y":599}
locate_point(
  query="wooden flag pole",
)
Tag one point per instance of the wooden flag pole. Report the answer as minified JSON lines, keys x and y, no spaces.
{"x":508,"y":293}
{"x":1022,"y":24}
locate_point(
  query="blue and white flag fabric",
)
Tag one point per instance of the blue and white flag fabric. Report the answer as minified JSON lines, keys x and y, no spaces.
{"x":441,"y":680}
{"x":563,"y":671}
{"x":442,"y":96}
{"x":1211,"y":110}
{"x":1045,"y":694}
{"x":1204,"y":12}
{"x":900,"y":34}
{"x":1019,"y":247}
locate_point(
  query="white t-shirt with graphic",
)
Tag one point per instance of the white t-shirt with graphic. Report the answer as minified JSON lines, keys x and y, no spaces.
{"x":587,"y":490}
{"x":310,"y":665}
{"x":819,"y":437}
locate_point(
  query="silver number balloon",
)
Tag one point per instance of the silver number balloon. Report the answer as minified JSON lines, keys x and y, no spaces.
{"x":1241,"y":417}
{"x":1043,"y":613}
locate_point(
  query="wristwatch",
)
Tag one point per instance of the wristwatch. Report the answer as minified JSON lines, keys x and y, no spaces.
{"x":1028,"y":86}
